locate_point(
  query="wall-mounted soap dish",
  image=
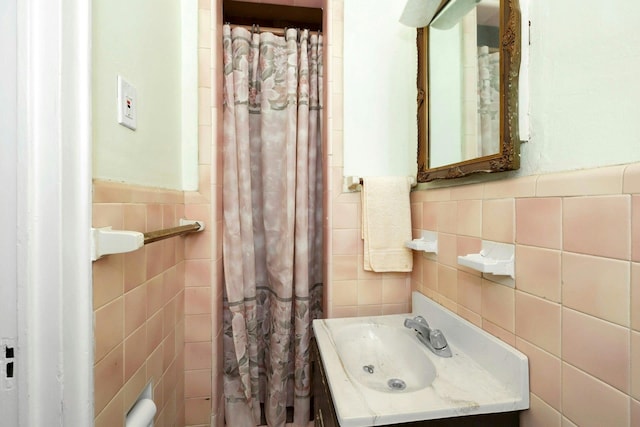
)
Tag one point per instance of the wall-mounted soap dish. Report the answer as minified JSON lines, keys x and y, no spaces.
{"x":494,"y":258}
{"x":427,"y":243}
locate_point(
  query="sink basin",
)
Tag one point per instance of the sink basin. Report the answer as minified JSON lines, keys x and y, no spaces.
{"x":379,"y":373}
{"x":384,"y":358}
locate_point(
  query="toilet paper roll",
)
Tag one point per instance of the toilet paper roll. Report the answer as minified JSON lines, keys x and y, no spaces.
{"x":142,"y":413}
{"x":419,"y":13}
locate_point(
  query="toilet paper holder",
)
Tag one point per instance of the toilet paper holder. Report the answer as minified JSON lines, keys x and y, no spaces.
{"x":143,"y":410}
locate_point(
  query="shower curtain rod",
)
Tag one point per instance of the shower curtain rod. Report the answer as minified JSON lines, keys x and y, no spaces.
{"x":274,"y":30}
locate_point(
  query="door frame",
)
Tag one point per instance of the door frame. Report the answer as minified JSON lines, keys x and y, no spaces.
{"x":54,"y":361}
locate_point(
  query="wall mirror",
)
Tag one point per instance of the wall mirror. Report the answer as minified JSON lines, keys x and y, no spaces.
{"x":468,"y":67}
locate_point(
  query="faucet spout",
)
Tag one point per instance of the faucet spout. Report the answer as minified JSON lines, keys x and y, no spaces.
{"x":434,"y":339}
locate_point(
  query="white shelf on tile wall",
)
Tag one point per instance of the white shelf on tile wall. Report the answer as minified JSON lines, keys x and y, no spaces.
{"x":494,"y":258}
{"x":427,"y":243}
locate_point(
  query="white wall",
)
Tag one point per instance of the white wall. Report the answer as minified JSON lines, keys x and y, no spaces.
{"x":380,"y":63}
{"x":585,"y":92}
{"x":141,"y":40}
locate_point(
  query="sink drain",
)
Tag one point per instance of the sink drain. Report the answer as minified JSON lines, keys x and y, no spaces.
{"x":368,"y":369}
{"x":396,"y":384}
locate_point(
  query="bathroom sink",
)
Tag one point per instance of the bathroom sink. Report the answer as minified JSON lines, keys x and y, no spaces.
{"x":379,"y":373}
{"x":384,"y":358}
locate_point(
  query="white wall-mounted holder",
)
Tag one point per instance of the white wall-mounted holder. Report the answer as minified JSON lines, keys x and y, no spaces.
{"x":494,"y":258}
{"x":106,"y":241}
{"x":427,"y":243}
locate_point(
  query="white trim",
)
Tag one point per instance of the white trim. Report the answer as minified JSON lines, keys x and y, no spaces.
{"x":55,"y":314}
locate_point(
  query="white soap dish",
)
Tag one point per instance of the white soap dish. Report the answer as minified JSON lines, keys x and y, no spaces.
{"x":494,"y":258}
{"x":427,"y":243}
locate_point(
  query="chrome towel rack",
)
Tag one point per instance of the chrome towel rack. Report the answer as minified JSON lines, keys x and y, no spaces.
{"x":106,"y":241}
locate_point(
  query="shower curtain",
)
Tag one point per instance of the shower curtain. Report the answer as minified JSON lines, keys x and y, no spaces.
{"x":272,"y":224}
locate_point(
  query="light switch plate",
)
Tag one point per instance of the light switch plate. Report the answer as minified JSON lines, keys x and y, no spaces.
{"x":127,"y":104}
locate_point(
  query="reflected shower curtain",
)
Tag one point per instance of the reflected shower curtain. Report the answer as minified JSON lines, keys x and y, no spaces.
{"x":488,"y":100}
{"x":272,"y":225}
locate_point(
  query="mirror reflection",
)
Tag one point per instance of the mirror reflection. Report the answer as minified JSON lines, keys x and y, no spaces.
{"x":469,"y":66}
{"x":464,"y":82}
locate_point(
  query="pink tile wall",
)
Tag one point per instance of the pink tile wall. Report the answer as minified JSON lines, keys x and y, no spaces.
{"x":574,"y":307}
{"x":138,"y":301}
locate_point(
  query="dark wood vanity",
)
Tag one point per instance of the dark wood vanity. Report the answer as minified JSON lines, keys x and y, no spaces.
{"x":325,"y":415}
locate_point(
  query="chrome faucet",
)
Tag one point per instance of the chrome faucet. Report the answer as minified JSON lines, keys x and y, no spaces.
{"x":433,"y":338}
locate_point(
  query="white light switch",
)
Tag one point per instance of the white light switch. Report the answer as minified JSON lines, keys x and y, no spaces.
{"x":127,"y":104}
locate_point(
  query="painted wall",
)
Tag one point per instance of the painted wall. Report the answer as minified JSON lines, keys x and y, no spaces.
{"x":142,"y":41}
{"x":584,"y":89}
{"x":379,"y":90}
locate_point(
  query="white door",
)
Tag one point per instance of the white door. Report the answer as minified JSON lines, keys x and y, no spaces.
{"x":8,"y":206}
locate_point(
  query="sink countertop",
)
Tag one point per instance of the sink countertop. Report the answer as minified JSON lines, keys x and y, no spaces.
{"x":484,"y":375}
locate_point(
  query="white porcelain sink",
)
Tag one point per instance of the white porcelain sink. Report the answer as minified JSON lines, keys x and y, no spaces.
{"x":361,"y":356}
{"x":384,"y":358}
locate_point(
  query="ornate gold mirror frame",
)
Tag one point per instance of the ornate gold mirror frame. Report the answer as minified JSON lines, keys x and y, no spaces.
{"x":509,"y":156}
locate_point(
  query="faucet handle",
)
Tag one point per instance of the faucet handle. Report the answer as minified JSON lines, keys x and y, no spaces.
{"x":421,"y":320}
{"x":437,"y":339}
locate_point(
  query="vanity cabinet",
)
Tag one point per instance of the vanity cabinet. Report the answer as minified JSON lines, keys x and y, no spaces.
{"x":325,"y":415}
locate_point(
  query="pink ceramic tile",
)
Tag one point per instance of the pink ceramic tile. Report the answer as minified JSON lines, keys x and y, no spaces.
{"x":133,"y":386}
{"x":635,"y":296}
{"x":197,"y":411}
{"x":155,"y":261}
{"x":609,"y":360}
{"x":467,"y":192}
{"x":369,"y":310}
{"x":197,"y":273}
{"x":635,"y":228}
{"x":345,"y":267}
{"x":197,"y":300}
{"x":631,"y":179}
{"x":155,"y":295}
{"x":470,"y":316}
{"x":169,"y":320}
{"x":197,"y":383}
{"x":430,"y":216}
{"x":581,"y":183}
{"x":198,"y":245}
{"x":113,"y":414}
{"x":512,"y":187}
{"x":498,"y":305}
{"x":448,"y":249}
{"x":538,"y":321}
{"x":395,"y":291}
{"x":597,"y":226}
{"x":197,"y":355}
{"x":567,"y":423}
{"x":197,"y":328}
{"x":111,"y":192}
{"x":108,"y":279}
{"x":135,"y":352}
{"x":134,"y":217}
{"x":395,"y":308}
{"x":465,"y":246}
{"x":342,"y":311}
{"x":540,"y":414}
{"x":153,"y":366}
{"x":447,"y":217}
{"x":498,"y":332}
{"x":345,"y":292}
{"x":369,"y":292}
{"x":448,"y":282}
{"x":346,"y":215}
{"x":589,"y":402}
{"x":539,"y":222}
{"x":635,"y":412}
{"x":107,"y":214}
{"x":545,"y":376}
{"x":108,"y":378}
{"x":538,"y":272}
{"x":416,"y":272}
{"x":346,"y":241}
{"x":154,"y":217}
{"x":109,"y":327}
{"x":154,"y":331}
{"x":635,"y":365}
{"x":596,"y":286}
{"x":470,"y":291}
{"x":135,"y":309}
{"x":498,"y":220}
{"x":416,"y":216}
{"x":135,"y":268}
{"x":469,"y":221}
{"x":430,"y":274}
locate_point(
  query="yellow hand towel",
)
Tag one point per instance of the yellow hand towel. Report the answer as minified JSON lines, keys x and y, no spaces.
{"x":386,"y":223}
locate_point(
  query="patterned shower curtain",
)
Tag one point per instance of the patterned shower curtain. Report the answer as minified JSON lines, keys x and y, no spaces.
{"x":272,"y":228}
